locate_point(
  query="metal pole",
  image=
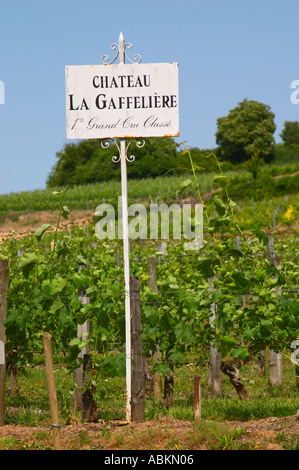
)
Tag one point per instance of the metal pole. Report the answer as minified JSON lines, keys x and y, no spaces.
{"x":124,"y":192}
{"x":4,"y":281}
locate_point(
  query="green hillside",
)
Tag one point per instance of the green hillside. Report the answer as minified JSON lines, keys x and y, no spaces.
{"x":275,"y":189}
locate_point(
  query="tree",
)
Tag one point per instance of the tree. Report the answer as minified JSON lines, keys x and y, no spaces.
{"x":290,"y":133}
{"x":155,"y":158}
{"x":81,"y":163}
{"x":87,"y":162}
{"x":246,"y":132}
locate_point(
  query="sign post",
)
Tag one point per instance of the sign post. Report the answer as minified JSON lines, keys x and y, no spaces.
{"x":120,"y":101}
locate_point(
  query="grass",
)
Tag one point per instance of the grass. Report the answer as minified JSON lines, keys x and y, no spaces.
{"x":288,"y":442}
{"x":216,"y":436}
{"x":41,"y":441}
{"x":31,"y":406}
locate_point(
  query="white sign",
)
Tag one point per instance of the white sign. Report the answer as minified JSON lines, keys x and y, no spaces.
{"x":123,"y":100}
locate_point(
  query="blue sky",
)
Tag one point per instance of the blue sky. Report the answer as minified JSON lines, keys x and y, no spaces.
{"x":227,"y":50}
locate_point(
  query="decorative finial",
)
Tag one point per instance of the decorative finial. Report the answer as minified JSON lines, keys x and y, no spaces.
{"x":121,"y":53}
{"x":121,"y":48}
{"x":121,"y":38}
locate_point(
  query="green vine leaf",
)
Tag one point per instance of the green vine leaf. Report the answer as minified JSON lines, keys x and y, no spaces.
{"x":41,"y":230}
{"x":65,"y":212}
{"x":261,"y":236}
{"x":27,"y":263}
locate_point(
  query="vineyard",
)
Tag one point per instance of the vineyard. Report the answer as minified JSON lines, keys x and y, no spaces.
{"x":227,"y":313}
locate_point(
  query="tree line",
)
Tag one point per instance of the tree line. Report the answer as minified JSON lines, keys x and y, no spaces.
{"x":244,"y":137}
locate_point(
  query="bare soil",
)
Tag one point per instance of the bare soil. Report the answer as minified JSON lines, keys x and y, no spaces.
{"x":28,"y":223}
{"x":278,"y":177}
{"x":161,"y":434}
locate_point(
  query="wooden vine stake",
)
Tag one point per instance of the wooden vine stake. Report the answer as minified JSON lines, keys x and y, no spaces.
{"x":82,"y":333}
{"x":275,"y":359}
{"x":4,"y":277}
{"x":215,"y":376}
{"x":158,"y":381}
{"x":84,"y":392}
{"x":162,"y":248}
{"x":52,"y":391}
{"x":138,"y":382}
{"x":197,"y":399}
